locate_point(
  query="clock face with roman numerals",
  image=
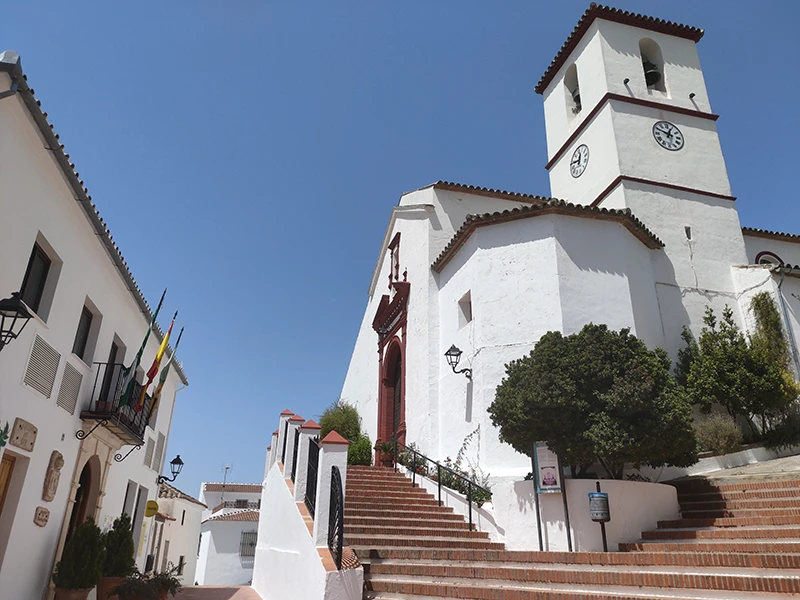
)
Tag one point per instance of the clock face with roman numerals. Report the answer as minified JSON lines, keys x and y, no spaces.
{"x":668,"y":135}
{"x":579,"y":160}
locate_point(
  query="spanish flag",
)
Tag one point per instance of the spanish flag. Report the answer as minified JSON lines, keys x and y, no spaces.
{"x":162,"y":379}
{"x":129,"y":374}
{"x":153,"y":371}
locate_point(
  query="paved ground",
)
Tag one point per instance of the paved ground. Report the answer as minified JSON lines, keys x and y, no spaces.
{"x":206,"y":592}
{"x":780,"y":468}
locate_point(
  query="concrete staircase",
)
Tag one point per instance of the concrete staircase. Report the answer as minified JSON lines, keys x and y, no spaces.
{"x":732,"y":543}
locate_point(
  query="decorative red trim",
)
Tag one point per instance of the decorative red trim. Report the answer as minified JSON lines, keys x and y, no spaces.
{"x":630,"y":100}
{"x":615,"y":15}
{"x":310,"y":425}
{"x":764,"y":253}
{"x":287,"y":412}
{"x":388,"y":311}
{"x":296,"y":418}
{"x":396,"y":349}
{"x":771,"y":235}
{"x":681,"y":188}
{"x":276,"y":432}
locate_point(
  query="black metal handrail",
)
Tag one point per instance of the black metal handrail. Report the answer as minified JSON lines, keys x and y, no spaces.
{"x":285,"y":436}
{"x":470,"y":485}
{"x":311,"y":475}
{"x":294,"y":456}
{"x":336,"y":517}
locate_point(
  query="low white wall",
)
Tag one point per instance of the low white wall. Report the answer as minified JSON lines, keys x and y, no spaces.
{"x":635,"y":507}
{"x":288,"y":565}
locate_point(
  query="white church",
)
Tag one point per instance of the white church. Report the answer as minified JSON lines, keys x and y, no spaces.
{"x":640,"y":230}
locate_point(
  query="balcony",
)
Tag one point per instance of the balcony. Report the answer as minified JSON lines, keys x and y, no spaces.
{"x":238,"y":504}
{"x":104,"y":405}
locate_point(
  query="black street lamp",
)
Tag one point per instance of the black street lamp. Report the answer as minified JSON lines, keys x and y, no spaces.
{"x":175,"y":465}
{"x":14,"y":315}
{"x":453,"y":355}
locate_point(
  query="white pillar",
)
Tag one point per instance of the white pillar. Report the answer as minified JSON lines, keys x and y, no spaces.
{"x":308,"y":430}
{"x":332,"y":453}
{"x":285,"y":416}
{"x":273,"y":453}
{"x":294,"y":424}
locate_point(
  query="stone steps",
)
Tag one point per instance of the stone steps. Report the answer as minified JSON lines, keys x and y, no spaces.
{"x":768,"y":546}
{"x":731,"y":522}
{"x":393,"y":522}
{"x":726,"y":533}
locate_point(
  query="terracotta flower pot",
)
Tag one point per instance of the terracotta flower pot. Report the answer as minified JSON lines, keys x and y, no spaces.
{"x":105,"y":586}
{"x":72,"y":594}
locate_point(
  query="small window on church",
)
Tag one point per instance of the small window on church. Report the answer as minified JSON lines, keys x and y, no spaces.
{"x":465,"y":309}
{"x":572,"y":90}
{"x":768,"y":258}
{"x":652,"y":65}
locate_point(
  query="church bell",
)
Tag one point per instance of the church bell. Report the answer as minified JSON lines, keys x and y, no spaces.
{"x":651,"y":74}
{"x":576,"y":97}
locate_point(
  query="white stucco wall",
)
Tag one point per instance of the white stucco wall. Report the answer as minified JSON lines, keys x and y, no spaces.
{"x":183,"y":535}
{"x":36,"y":201}
{"x":220,"y":563}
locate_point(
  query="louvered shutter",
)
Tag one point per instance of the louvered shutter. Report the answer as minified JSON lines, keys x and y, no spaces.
{"x":159,"y":452}
{"x":42,"y":367}
{"x":148,"y":452}
{"x":70,"y":388}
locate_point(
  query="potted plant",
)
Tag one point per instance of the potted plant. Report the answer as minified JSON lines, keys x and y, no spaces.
{"x":386,"y":451}
{"x":165,"y":583}
{"x":134,"y":587}
{"x":81,"y":564}
{"x":119,"y":561}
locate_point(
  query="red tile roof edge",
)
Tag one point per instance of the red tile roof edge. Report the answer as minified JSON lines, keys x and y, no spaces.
{"x":297,"y":418}
{"x":310,"y":425}
{"x":242,"y":515}
{"x":287,"y":412}
{"x":774,"y":235}
{"x":334,"y":438}
{"x":599,"y":11}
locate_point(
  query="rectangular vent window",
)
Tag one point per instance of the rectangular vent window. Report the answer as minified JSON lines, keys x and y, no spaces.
{"x":159,"y":452}
{"x":70,"y":388}
{"x":42,"y":367}
{"x":148,"y":452}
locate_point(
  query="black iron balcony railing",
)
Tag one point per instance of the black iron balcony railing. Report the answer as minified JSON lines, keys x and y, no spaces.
{"x":107,"y":403}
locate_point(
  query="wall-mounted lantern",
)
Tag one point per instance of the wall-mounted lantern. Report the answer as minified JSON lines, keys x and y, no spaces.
{"x":14,"y":316}
{"x":175,"y":465}
{"x":453,"y":356}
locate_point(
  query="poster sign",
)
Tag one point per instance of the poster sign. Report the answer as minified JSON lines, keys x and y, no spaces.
{"x":546,"y":472}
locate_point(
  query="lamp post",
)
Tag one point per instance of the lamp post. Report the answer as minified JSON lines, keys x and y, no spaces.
{"x":453,"y":356}
{"x":175,"y":465}
{"x":14,"y":315}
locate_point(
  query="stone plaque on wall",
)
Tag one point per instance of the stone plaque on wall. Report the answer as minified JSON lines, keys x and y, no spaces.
{"x":52,"y":476}
{"x":41,"y":516}
{"x":23,"y":435}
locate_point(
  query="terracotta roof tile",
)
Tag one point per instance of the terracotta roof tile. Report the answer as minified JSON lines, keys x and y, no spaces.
{"x":552,"y":206}
{"x":310,"y":425}
{"x":287,"y":412}
{"x":296,"y":418}
{"x":774,"y":235}
{"x":334,"y":438}
{"x":598,"y":11}
{"x":245,"y":488}
{"x":242,"y":515}
{"x":165,"y":490}
{"x":165,"y":517}
{"x":10,"y":63}
{"x":484,"y":191}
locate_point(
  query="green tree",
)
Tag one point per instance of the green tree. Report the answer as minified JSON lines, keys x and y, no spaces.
{"x":81,"y":563}
{"x":343,"y":418}
{"x":119,"y":561}
{"x":746,"y":377}
{"x":596,"y":396}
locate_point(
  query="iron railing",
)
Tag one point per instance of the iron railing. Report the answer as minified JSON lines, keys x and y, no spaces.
{"x":106,"y":404}
{"x":247,"y":543}
{"x":336,"y":517}
{"x":285,"y":435}
{"x":417,"y":463}
{"x":294,"y":456}
{"x":311,"y":475}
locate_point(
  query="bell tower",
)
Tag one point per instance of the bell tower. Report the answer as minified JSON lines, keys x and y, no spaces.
{"x":629,"y":125}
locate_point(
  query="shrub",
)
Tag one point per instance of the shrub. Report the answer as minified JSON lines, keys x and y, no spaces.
{"x":81,"y":564}
{"x":360,"y":452}
{"x":342,"y":418}
{"x":719,"y":433}
{"x":119,"y":561}
{"x":786,"y":431}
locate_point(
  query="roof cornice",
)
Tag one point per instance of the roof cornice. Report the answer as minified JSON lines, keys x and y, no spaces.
{"x":10,"y":63}
{"x":550,"y":207}
{"x":599,"y":11}
{"x":772,"y":235}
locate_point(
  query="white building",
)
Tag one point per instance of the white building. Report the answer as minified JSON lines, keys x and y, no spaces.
{"x":229,"y":533}
{"x":175,"y":539}
{"x":72,"y":452}
{"x":644,"y":233}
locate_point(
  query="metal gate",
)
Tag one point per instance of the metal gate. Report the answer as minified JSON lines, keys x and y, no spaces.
{"x":294,"y":456}
{"x":311,"y":476}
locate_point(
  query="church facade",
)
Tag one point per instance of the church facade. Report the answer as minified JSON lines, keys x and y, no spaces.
{"x":641,"y":231}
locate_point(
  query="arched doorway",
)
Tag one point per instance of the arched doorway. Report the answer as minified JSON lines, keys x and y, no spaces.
{"x":86,"y":494}
{"x":391,"y":416}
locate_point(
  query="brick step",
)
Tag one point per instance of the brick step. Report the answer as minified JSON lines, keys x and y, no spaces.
{"x":419,"y":531}
{"x":389,"y":493}
{"x":732,"y":504}
{"x":767,"y":546}
{"x":586,"y":559}
{"x":378,"y":522}
{"x":741,"y":512}
{"x":379,"y":487}
{"x":685,"y":487}
{"x":731,"y":533}
{"x":389,"y":502}
{"x":740,"y":495}
{"x":732,"y":522}
{"x":399,"y":587}
{"x":398,"y":512}
{"x":372,"y":541}
{"x":751,"y":580}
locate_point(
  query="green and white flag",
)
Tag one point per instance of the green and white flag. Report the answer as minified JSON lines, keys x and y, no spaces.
{"x":129,"y":373}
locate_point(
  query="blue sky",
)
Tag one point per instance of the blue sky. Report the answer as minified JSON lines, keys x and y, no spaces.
{"x":247,"y":155}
